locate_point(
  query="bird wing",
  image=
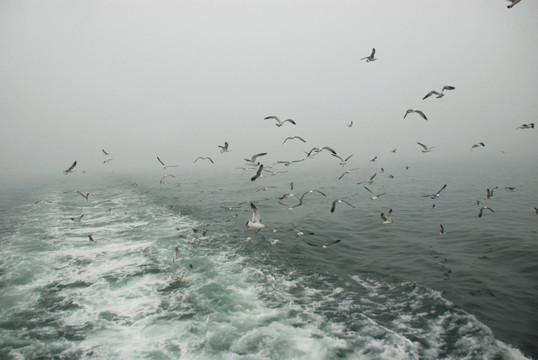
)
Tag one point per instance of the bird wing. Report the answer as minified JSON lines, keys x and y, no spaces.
{"x":369,"y":190}
{"x":448,"y":87}
{"x":256,"y":155}
{"x":444,"y":186}
{"x":71,"y":167}
{"x":260,"y":168}
{"x":424,"y":146}
{"x":430,"y":94}
{"x":272,"y":118}
{"x":289,"y":120}
{"x":421,"y":114}
{"x":256,"y":217}
{"x":160,"y":161}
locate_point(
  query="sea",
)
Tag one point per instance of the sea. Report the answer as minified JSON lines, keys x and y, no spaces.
{"x":384,"y":291}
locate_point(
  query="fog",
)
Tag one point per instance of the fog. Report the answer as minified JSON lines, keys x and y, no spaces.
{"x":175,"y":79}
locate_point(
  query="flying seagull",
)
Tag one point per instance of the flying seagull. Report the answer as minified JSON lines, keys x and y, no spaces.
{"x":371,"y":57}
{"x":81,"y":194}
{"x":71,"y":168}
{"x":373,"y":159}
{"x":343,"y":162}
{"x":324,"y":245}
{"x":387,"y":219}
{"x":278,"y":122}
{"x":513,"y":2}
{"x":301,"y":233}
{"x":289,"y":162}
{"x":176,"y":257}
{"x":252,"y":161}
{"x":350,"y":123}
{"x":333,"y":206}
{"x":224,"y":148}
{"x":439,"y":94}
{"x":425,"y":148}
{"x":526,"y":126}
{"x":107,"y":161}
{"x":347,"y":172}
{"x":369,"y":181}
{"x":482,"y":208}
{"x":441,"y":230}
{"x":184,"y":277}
{"x":204,"y":158}
{"x":105,"y":152}
{"x":293,"y":137}
{"x":433,"y":196}
{"x":165,"y":166}
{"x":255,"y":223}
{"x":510,"y":188}
{"x":310,"y":192}
{"x":478,"y":145}
{"x":258,"y":173}
{"x":374,"y":196}
{"x":416,"y":111}
{"x":78,"y":218}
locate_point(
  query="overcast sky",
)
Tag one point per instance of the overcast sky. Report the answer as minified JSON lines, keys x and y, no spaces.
{"x":175,"y":79}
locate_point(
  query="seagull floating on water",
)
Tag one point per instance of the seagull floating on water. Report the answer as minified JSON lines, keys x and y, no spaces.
{"x":279,"y":123}
{"x":255,"y":223}
{"x":439,"y":94}
{"x":371,"y":57}
{"x":416,"y":111}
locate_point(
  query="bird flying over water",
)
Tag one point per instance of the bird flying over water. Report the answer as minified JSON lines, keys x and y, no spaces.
{"x":371,"y":57}
{"x":387,"y":219}
{"x":252,"y":161}
{"x":513,"y":2}
{"x":293,"y":137}
{"x":425,"y":148}
{"x":224,"y":148}
{"x":165,"y":166}
{"x":255,"y":223}
{"x":333,"y":206}
{"x":433,"y":196}
{"x":82,"y":194}
{"x":439,"y":94}
{"x":279,"y":123}
{"x":258,"y":173}
{"x":415,"y":111}
{"x":369,"y":181}
{"x":71,"y":168}
{"x":374,"y":196}
{"x":324,"y":246}
{"x":482,"y":208}
{"x":204,"y":158}
{"x":441,"y":230}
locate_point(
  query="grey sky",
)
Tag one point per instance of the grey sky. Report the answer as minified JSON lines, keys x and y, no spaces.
{"x":177,"y":78}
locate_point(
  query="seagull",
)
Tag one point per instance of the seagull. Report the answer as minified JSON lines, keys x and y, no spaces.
{"x":433,"y":196}
{"x":426,"y":149}
{"x":387,"y":220}
{"x":84,"y":196}
{"x":187,"y":273}
{"x":176,"y":257}
{"x":442,"y":230}
{"x":393,"y":150}
{"x":478,"y":145}
{"x":325,"y":245}
{"x":165,"y":166}
{"x":333,"y":206}
{"x":513,"y":2}
{"x":278,"y":122}
{"x":535,"y":211}
{"x":78,"y":218}
{"x":350,"y":124}
{"x":374,"y":196}
{"x":204,"y":158}
{"x":105,"y":152}
{"x":371,"y":57}
{"x":71,"y":168}
{"x":252,"y":161}
{"x":301,"y":233}
{"x":293,"y":137}
{"x":317,"y":150}
{"x":433,"y":206}
{"x":273,"y":173}
{"x":343,"y":162}
{"x":373,"y":159}
{"x":510,"y":188}
{"x":482,"y":208}
{"x":90,"y":237}
{"x":288,"y":163}
{"x":439,"y":95}
{"x":224,"y":148}
{"x":369,"y":181}
{"x":273,"y":242}
{"x":266,"y":188}
{"x":489,"y":192}
{"x":290,"y":208}
{"x":107,"y":161}
{"x":310,"y":192}
{"x":202,"y":236}
{"x":258,"y":173}
{"x":255,"y":223}
{"x":347,"y":172}
{"x":416,"y":111}
{"x":526,"y":126}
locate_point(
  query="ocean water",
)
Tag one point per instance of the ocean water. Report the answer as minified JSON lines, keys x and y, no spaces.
{"x":398,"y":291}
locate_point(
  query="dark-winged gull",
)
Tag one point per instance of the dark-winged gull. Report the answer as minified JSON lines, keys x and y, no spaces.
{"x":165,"y":166}
{"x":255,"y":223}
{"x":387,"y":218}
{"x":439,"y":94}
{"x":425,"y":149}
{"x":371,"y":57}
{"x":279,"y":123}
{"x":415,"y":111}
{"x":333,"y":206}
{"x":71,"y":168}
